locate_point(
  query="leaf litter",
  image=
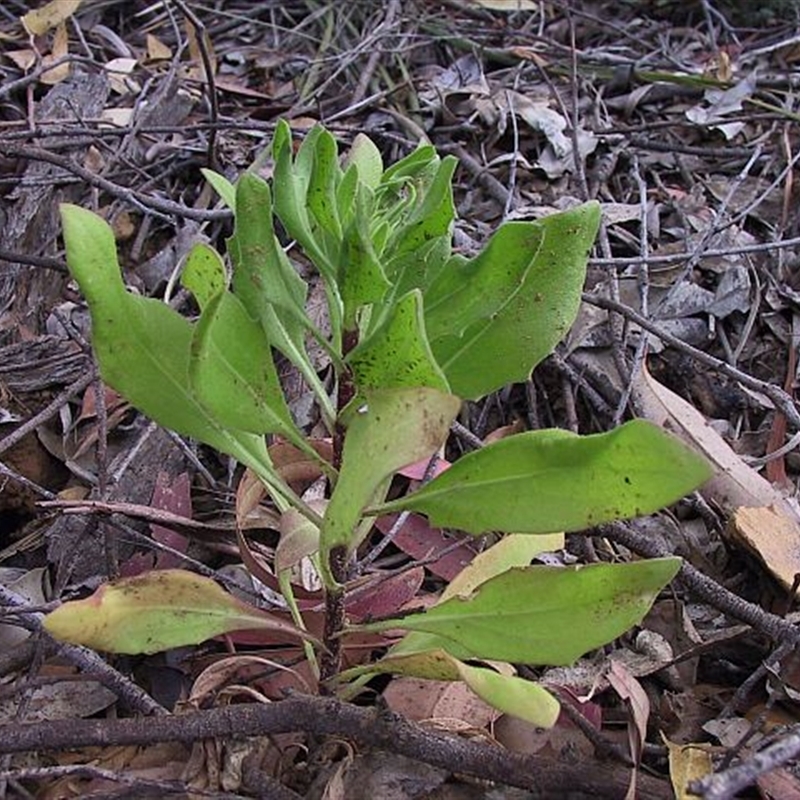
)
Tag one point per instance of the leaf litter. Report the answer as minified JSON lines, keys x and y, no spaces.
{"x":691,"y":153}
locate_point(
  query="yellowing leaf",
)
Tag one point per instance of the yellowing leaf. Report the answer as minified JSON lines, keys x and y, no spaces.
{"x":157,"y":611}
{"x":507,"y":693}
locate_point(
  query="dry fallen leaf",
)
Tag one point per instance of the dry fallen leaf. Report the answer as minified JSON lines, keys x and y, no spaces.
{"x":49,"y":16}
{"x":762,"y":518}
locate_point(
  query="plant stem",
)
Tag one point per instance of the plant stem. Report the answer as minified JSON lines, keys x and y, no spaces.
{"x":335,"y":617}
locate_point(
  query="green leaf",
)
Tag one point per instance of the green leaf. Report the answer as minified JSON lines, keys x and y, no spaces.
{"x":547,"y":481}
{"x":367,"y":159}
{"x":233,"y":373}
{"x":291,"y":180}
{"x":361,"y":278}
{"x":391,"y":429}
{"x":204,"y":274}
{"x":507,"y":345}
{"x":397,"y":354}
{"x":507,"y":693}
{"x":157,"y":611}
{"x":542,"y":615}
{"x":325,"y":177}
{"x":267,"y":283}
{"x":433,"y":216}
{"x":142,"y":345}
{"x":468,"y":292}
{"x":223,"y":187}
{"x":513,"y":550}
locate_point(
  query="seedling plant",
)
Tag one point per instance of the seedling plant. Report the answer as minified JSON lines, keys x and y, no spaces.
{"x":412,"y":331}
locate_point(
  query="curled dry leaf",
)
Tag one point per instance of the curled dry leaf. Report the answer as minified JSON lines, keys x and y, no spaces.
{"x":761,"y":518}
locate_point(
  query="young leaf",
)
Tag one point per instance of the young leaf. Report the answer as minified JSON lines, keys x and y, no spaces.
{"x":552,"y":480}
{"x":541,"y":615}
{"x":391,"y":429}
{"x":204,"y":274}
{"x":507,"y":693}
{"x":361,"y":278}
{"x":142,"y":345}
{"x":506,"y":346}
{"x":325,"y":177}
{"x":223,"y":187}
{"x":397,"y":354}
{"x":157,"y":611}
{"x":267,"y":283}
{"x":233,"y":373}
{"x":433,"y":216}
{"x":292,"y":178}
{"x":367,"y":159}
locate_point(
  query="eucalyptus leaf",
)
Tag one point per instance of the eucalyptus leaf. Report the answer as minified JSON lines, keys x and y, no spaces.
{"x":541,"y":615}
{"x":553,"y":480}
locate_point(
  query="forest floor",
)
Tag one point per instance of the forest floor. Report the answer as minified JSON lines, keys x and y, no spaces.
{"x":681,"y":118}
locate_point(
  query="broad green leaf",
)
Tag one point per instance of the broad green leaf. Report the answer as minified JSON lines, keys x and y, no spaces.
{"x":204,"y":274}
{"x":552,"y":480}
{"x":506,"y":346}
{"x":542,"y":615}
{"x":222,"y":186}
{"x":514,"y":550}
{"x":415,"y":269}
{"x":507,"y":693}
{"x":233,"y":373}
{"x":367,"y":159}
{"x":397,"y":354}
{"x":391,"y":429}
{"x":143,"y":346}
{"x":157,"y":611}
{"x":466,"y":292}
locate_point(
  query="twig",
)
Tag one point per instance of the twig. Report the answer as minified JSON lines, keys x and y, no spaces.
{"x":50,"y":410}
{"x":325,"y":716}
{"x":145,"y":202}
{"x":211,"y":86}
{"x":778,"y":628}
{"x":728,"y":784}
{"x":779,"y":397}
